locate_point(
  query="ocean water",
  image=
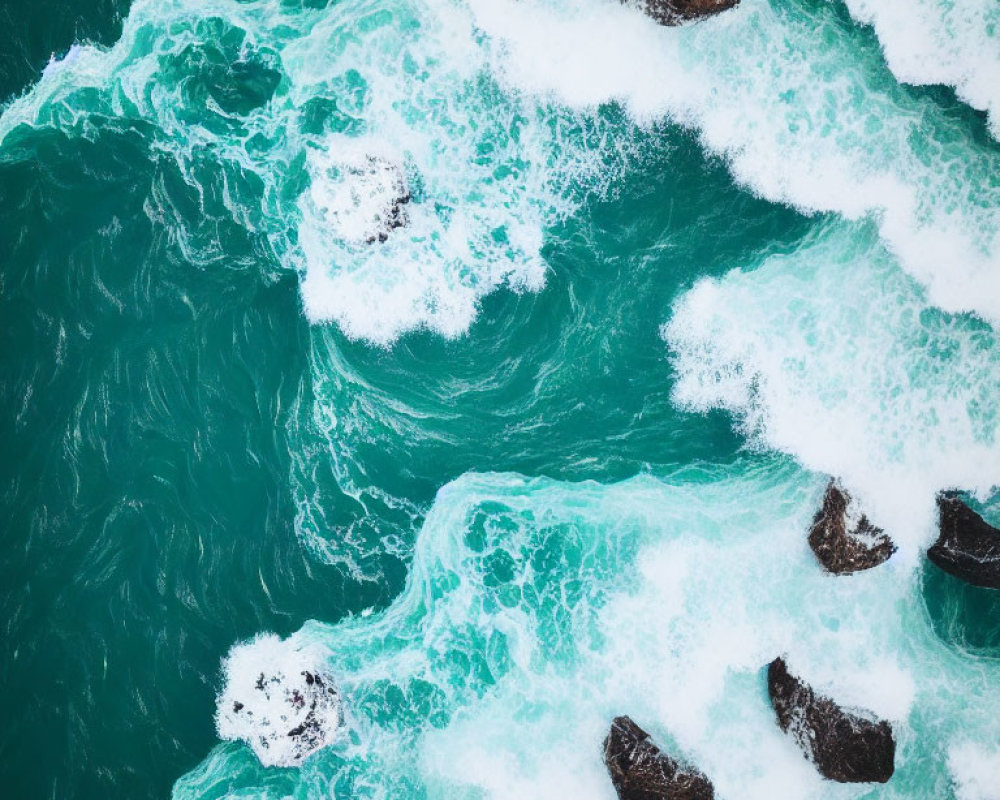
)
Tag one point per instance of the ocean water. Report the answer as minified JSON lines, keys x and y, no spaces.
{"x":546,"y":455}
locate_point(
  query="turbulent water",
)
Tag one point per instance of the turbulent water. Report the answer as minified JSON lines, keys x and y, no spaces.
{"x":546,"y":455}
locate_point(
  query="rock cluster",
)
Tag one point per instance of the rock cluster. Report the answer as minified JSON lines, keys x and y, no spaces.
{"x":846,"y":746}
{"x":639,"y":770}
{"x":843,"y":539}
{"x":361,"y":196}
{"x":278,"y":701}
{"x":677,"y":12}
{"x":967,"y":547}
{"x":382,"y":189}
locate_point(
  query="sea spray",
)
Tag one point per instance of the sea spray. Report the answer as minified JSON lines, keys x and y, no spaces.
{"x":975,"y":769}
{"x":833,"y":355}
{"x":937,"y":41}
{"x":802,"y":108}
{"x":278,"y":699}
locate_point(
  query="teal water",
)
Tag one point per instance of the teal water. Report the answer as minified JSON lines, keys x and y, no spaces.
{"x":33,"y":33}
{"x":545,"y":456}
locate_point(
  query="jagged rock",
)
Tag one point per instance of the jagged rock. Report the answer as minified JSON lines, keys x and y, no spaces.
{"x":277,"y":699}
{"x":677,"y":12}
{"x":846,"y":746}
{"x":641,"y":771}
{"x":968,"y":547}
{"x":843,"y":539}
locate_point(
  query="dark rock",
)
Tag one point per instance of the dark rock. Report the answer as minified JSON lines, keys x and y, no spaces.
{"x":968,"y":547}
{"x":677,"y":12}
{"x":641,"y":771}
{"x":845,"y":746}
{"x":843,"y":541}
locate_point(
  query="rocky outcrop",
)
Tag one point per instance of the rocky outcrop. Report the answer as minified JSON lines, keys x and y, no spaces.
{"x":641,"y":771}
{"x":677,"y":12}
{"x":968,"y":547}
{"x":278,"y":700}
{"x":842,"y":537}
{"x":846,"y":746}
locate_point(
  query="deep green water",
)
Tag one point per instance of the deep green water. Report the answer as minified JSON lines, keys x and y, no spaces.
{"x":546,"y":456}
{"x":34,"y":32}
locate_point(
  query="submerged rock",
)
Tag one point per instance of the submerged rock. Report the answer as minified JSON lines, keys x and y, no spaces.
{"x":362,"y":196}
{"x":677,"y":12}
{"x":845,"y":746}
{"x":393,"y":194}
{"x":641,"y":771}
{"x":278,"y":700}
{"x":968,"y":547}
{"x":843,"y":539}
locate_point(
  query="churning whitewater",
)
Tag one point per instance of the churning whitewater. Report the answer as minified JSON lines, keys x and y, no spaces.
{"x":586,"y":313}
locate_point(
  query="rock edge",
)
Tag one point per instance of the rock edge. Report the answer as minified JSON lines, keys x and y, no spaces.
{"x":845,"y":746}
{"x":679,"y":12}
{"x":639,"y":770}
{"x":845,"y":543}
{"x":968,"y":547}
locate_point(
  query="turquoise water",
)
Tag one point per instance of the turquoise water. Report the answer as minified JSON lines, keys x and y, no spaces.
{"x":545,"y":456}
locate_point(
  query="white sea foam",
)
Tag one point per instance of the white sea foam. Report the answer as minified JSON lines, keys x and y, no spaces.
{"x":359,"y":192}
{"x":430,"y":273}
{"x":488,"y":175}
{"x":790,"y":96}
{"x":802,"y":113}
{"x":480,"y":199}
{"x":975,"y":770}
{"x":279,"y":699}
{"x":832,"y":354}
{"x":941,"y":42}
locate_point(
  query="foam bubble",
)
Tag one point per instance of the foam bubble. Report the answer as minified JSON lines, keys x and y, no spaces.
{"x":431,"y":272}
{"x":833,"y":355}
{"x":480,"y":193}
{"x":359,"y":193}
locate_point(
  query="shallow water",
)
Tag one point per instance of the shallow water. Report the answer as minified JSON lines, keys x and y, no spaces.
{"x":545,"y":456}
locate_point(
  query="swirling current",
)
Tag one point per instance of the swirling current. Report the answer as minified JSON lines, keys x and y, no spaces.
{"x":547,"y":453}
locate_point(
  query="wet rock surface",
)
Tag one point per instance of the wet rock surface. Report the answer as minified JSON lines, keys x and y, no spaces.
{"x":968,"y":547}
{"x":843,"y":539}
{"x":846,"y":746}
{"x":678,"y":12}
{"x":639,"y":770}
